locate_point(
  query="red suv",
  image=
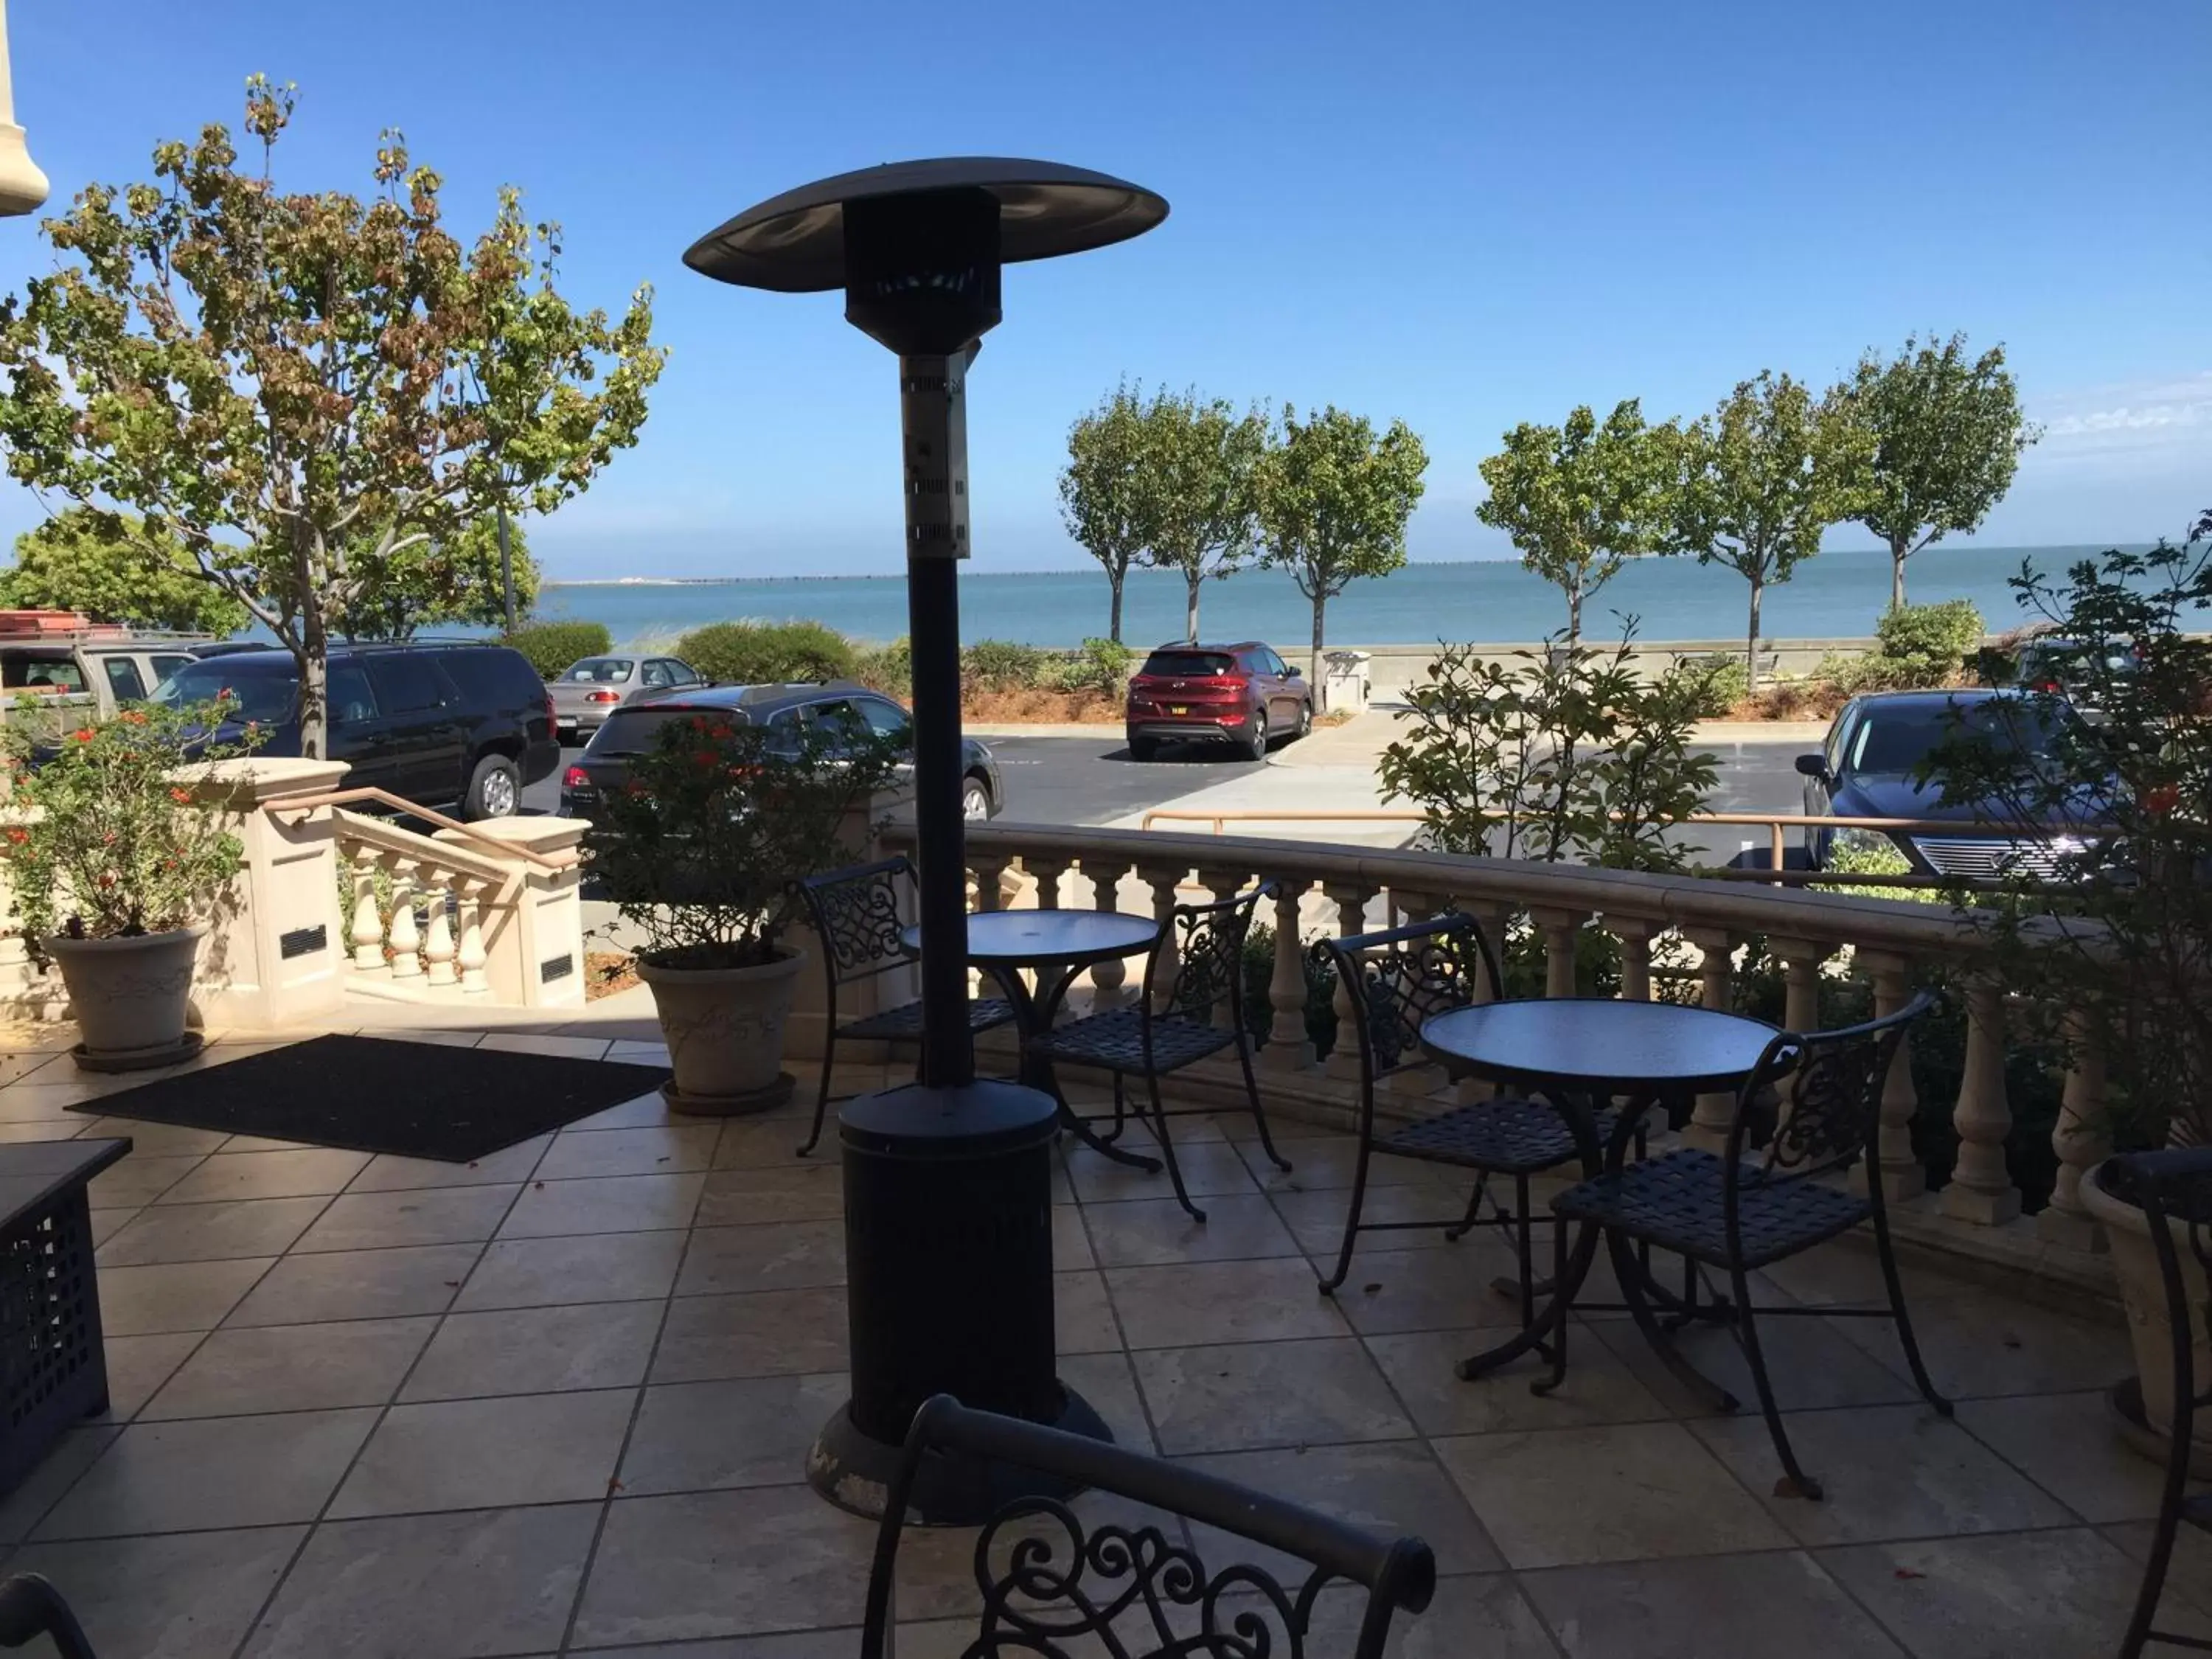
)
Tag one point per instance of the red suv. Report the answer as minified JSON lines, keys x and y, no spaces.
{"x":1240,"y":693}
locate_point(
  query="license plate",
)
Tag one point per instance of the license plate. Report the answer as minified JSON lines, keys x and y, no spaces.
{"x":1179,"y":709}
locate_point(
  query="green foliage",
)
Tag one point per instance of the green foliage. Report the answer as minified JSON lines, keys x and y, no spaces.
{"x":300,"y":388}
{"x":1875,"y":854}
{"x":111,"y":568}
{"x":1196,"y":503}
{"x":701,"y":848}
{"x":886,"y":668}
{"x":1580,"y":500}
{"x":1334,"y":498}
{"x":1563,"y":755}
{"x":1946,"y":436}
{"x":768,"y":654}
{"x":112,"y":839}
{"x":552,"y":645}
{"x":1105,"y":493}
{"x":1710,"y":685}
{"x":1761,"y":478}
{"x":1934,"y":642}
{"x":452,"y":577}
{"x":1000,"y":666}
{"x":1100,"y":665}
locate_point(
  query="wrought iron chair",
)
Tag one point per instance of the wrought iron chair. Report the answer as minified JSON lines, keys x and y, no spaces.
{"x":2174,"y":1189}
{"x":30,"y":1607}
{"x":1172,"y":1024}
{"x":1050,"y":1585}
{"x":1397,"y":980}
{"x":1752,"y":1205}
{"x":858,"y":916}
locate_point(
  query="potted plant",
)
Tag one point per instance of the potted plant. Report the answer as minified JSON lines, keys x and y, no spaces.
{"x":700,"y":849}
{"x":2110,"y":751}
{"x":116,"y":863}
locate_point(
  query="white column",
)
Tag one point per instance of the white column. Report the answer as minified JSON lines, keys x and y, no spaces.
{"x":1351,"y":901}
{"x":1163,"y":879}
{"x":1047,"y":874}
{"x":366,"y":934}
{"x":1558,"y":928}
{"x":1635,"y":936}
{"x":471,"y":956}
{"x":1902,"y":1176}
{"x":438,"y":942}
{"x":406,"y":938}
{"x":2078,"y":1137}
{"x":1711,"y":1119}
{"x":1224,"y":884}
{"x":1109,"y":979}
{"x":1289,"y":1049}
{"x":1981,"y":1189}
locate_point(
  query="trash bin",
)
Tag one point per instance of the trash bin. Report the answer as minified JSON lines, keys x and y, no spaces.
{"x":1343,"y":681}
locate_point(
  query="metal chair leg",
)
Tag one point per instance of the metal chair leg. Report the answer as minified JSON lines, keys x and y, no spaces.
{"x":1466,"y":1224}
{"x":821,"y":1095}
{"x":1544,"y":1385}
{"x":1328,"y":1285}
{"x":1528,"y":1271}
{"x":1121,"y":1112}
{"x":1746,"y":1330}
{"x":1905,"y":1338}
{"x":1167,"y":1148}
{"x":1259,"y":1117}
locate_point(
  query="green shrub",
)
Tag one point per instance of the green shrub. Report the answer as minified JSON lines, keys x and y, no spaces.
{"x":886,"y":668}
{"x":1100,"y":665}
{"x":552,"y":645}
{"x":1710,"y":685}
{"x":1001,"y":666}
{"x":768,"y":654}
{"x":1928,"y":644}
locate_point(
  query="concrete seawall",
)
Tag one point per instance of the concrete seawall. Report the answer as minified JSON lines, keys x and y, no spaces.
{"x":1392,"y":668}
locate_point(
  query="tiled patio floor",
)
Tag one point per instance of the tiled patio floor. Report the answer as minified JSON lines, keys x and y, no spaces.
{"x":560,"y":1401}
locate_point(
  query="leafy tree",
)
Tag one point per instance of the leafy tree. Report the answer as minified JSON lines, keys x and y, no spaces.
{"x":1201,"y":458}
{"x":1105,"y":493}
{"x":1947,"y":436}
{"x":1761,"y":478}
{"x":1334,"y":498}
{"x":1580,"y":500}
{"x":454,"y":577}
{"x":294,"y":386}
{"x":111,"y":568}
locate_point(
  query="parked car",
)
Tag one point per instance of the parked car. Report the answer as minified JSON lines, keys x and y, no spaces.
{"x":1868,"y":768}
{"x":588,"y":690}
{"x":635,"y":727}
{"x":443,"y":725}
{"x":2076,"y":669}
{"x":81,"y":664}
{"x":1239,"y":694}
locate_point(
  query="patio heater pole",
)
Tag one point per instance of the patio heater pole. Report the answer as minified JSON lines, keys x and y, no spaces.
{"x":948,"y":1202}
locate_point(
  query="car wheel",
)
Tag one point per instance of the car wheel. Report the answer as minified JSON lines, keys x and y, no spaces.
{"x":1144,"y":749}
{"x":1257,"y":742}
{"x":975,"y":799}
{"x":494,"y":789}
{"x":1305,"y":719}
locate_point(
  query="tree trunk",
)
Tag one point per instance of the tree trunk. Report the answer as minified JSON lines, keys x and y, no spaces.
{"x":312,"y":659}
{"x":1751,"y":642}
{"x":1115,"y":578}
{"x":1573,"y":614}
{"x":1191,"y":581}
{"x":1897,"y":548}
{"x":1313,"y":668}
{"x":506,"y":569}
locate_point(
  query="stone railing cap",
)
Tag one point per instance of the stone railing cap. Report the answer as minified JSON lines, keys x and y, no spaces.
{"x":258,"y":779}
{"x":539,"y":834}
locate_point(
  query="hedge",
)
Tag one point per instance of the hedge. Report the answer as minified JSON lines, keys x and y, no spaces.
{"x":767,"y":653}
{"x":552,"y":645}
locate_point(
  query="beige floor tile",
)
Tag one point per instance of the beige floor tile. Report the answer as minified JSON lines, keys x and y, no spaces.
{"x":1752,"y":1606}
{"x":1082,"y":1314}
{"x":1071,"y":1237}
{"x":315,"y":1289}
{"x":641,"y":1111}
{"x":267,"y":1175}
{"x":1210,"y":1169}
{"x":2067,"y":1444}
{"x":1616,"y":1493}
{"x":564,"y":1047}
{"x":639,"y":1053}
{"x":210,"y":1232}
{"x":186,"y":1296}
{"x":373,"y":1221}
{"x":39,"y":1130}
{"x":813,"y":1191}
{"x":795,"y":1255}
{"x":386,"y":1173}
{"x":1599,"y":1388}
{"x":286,"y":1367}
{"x":137,"y":1366}
{"x":1978,"y":1343}
{"x":441,"y":1039}
{"x":1812,"y":1364}
{"x":662,"y":1149}
{"x":768,"y":1333}
{"x":1269,"y":1393}
{"x":751,"y":1432}
{"x":1152,"y":1231}
{"x":40,"y":1489}
{"x":1888,"y":1472}
{"x":475,"y":1454}
{"x":1451,"y":1289}
{"x":1329,"y":1165}
{"x":602,"y":1344}
{"x":154,"y":1139}
{"x":139,"y":1179}
{"x":184,"y":1595}
{"x":616,"y":1204}
{"x":536,"y":1273}
{"x":210,"y":1473}
{"x":1316,"y":1219}
{"x":1105,"y":1380}
{"x":1486,"y":1615}
{"x":477,"y":1582}
{"x":753,"y":1143}
{"x":2188,"y":1573}
{"x":1211,"y":1302}
{"x":2022,"y":1596}
{"x":1392,"y":1487}
{"x":105,"y":1223}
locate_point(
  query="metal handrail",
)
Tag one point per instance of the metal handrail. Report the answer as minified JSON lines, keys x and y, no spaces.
{"x":386,"y":797}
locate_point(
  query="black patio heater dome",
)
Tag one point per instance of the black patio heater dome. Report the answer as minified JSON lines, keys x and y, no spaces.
{"x":948,"y":1199}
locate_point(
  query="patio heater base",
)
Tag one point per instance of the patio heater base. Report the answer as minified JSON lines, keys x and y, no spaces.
{"x":853,"y":1471}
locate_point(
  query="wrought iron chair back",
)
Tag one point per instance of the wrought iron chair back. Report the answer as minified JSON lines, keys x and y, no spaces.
{"x":1207,"y":941}
{"x":1051,"y":1585}
{"x":1400,"y":978}
{"x":30,"y":1608}
{"x":857,"y":915}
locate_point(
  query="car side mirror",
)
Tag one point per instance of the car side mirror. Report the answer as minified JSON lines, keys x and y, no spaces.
{"x":1813,"y":766}
{"x":1291,"y":671}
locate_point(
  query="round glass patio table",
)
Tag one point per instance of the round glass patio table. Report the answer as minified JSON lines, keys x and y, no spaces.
{"x":1581,"y":1054}
{"x":1056,"y":946}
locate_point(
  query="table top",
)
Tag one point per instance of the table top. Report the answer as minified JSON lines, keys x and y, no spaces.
{"x":1600,"y":1045}
{"x":1014,"y":937}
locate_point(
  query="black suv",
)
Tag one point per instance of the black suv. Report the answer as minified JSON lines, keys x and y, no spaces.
{"x":634,"y":728}
{"x":441,"y":725}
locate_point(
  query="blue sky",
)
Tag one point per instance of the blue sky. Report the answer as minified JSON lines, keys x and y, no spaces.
{"x":1462,"y":215}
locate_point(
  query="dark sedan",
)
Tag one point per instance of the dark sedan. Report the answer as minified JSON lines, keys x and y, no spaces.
{"x":1869,"y":768}
{"x":634,"y":728}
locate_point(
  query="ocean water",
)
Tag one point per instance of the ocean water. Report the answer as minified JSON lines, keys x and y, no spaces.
{"x":1834,"y":595}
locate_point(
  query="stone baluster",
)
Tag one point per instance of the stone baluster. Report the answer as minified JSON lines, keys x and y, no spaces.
{"x":367,"y":932}
{"x":1225,"y":884}
{"x":1049,"y":874}
{"x":2078,"y":1137}
{"x":1981,"y":1189}
{"x":1634,"y":933}
{"x":989,"y":894}
{"x":1558,"y":928}
{"x":1289,"y":1049}
{"x":1109,"y":979}
{"x":471,"y":958}
{"x":1801,"y":961}
{"x":1902,"y":1176}
{"x":438,"y":948}
{"x":1417,"y":1081}
{"x":406,"y":938}
{"x":1492,"y":919}
{"x":1164,"y":880}
{"x":1351,"y":901}
{"x":1711,"y":1118}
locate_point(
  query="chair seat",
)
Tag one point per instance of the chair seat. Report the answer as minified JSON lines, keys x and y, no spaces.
{"x":905,"y":1021}
{"x":1115,"y":1041}
{"x":1675,"y":1201}
{"x":1506,"y":1136}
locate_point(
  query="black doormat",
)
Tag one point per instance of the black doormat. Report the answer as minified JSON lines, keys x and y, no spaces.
{"x":371,"y":1095}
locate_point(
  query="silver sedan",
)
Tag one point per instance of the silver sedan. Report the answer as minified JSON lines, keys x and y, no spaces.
{"x":586,"y":692}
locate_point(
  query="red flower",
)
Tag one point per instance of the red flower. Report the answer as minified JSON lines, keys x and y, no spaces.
{"x":723,"y":733}
{"x":82,"y":735}
{"x":182,"y":797}
{"x":2162,"y":800}
{"x":18,"y":836}
{"x":135,"y":716}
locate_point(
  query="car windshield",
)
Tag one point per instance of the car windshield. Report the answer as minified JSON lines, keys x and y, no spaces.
{"x":266,"y":694}
{"x":635,"y":731}
{"x":1188,"y":664}
{"x":1898,"y":740}
{"x":605,"y":671}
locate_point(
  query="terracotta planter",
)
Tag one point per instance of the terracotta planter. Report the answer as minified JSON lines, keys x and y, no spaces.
{"x":131,"y":998}
{"x":2135,"y":1263}
{"x":724,"y":1027}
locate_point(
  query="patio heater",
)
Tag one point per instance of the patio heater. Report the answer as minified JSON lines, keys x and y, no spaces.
{"x":948,"y":1202}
